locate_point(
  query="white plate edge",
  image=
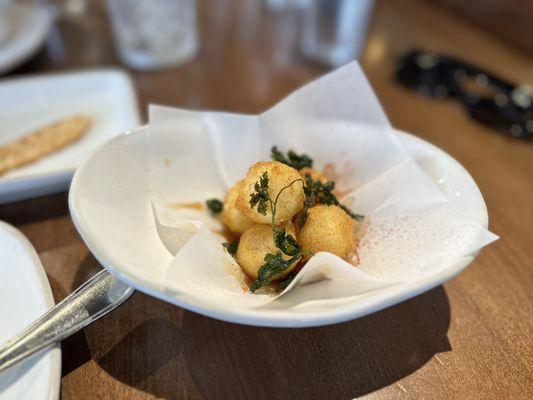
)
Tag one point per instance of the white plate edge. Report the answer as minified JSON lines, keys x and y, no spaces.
{"x":46,"y":290}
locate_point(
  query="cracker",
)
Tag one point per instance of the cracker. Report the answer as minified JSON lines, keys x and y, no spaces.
{"x":43,"y":141}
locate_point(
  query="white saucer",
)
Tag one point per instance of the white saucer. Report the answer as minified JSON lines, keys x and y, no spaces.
{"x":25,"y":294}
{"x":110,"y":207}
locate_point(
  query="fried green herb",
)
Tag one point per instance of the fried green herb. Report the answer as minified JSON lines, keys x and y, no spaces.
{"x":274,"y":264}
{"x":286,"y":243}
{"x":261,"y":195}
{"x":301,"y":218}
{"x":214,"y":205}
{"x":357,"y":217}
{"x":297,"y":161}
{"x":231,"y":247}
{"x":317,"y":192}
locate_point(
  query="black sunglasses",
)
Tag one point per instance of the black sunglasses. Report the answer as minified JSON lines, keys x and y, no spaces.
{"x":487,"y":98}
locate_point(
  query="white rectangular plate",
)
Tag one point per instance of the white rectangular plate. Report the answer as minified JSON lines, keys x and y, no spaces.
{"x":27,"y":104}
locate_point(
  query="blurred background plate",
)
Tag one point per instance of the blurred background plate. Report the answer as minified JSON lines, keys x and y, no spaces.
{"x":25,"y":294}
{"x":23,"y":30}
{"x":29,"y":103}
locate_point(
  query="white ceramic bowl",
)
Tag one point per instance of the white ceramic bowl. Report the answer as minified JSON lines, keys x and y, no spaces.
{"x":111,"y":210}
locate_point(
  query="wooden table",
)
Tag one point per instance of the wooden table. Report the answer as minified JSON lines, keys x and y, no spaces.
{"x":471,"y":338}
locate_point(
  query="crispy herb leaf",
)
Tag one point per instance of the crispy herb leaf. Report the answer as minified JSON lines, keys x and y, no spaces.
{"x":286,"y":243}
{"x":317,"y":192}
{"x":357,"y":217}
{"x":231,"y":247}
{"x":261,"y":196}
{"x":302,"y":218}
{"x":297,"y":161}
{"x":300,"y":161}
{"x":215,"y":205}
{"x":274,"y":264}
{"x":277,"y":155}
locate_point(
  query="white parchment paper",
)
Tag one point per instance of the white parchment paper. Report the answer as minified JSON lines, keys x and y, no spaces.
{"x":412,"y":230}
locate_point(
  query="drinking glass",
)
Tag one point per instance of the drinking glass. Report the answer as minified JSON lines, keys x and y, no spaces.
{"x":152,"y":34}
{"x":334,"y":31}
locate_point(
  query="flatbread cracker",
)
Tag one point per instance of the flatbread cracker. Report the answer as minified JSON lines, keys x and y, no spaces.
{"x":43,"y":141}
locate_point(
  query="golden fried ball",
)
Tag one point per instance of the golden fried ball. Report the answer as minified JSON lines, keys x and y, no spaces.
{"x":280,"y":175}
{"x":328,"y":228}
{"x":254,"y":244}
{"x":315,"y":175}
{"x":230,"y":215}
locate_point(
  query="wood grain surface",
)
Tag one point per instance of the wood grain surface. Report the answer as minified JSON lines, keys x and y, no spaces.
{"x":471,"y":338}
